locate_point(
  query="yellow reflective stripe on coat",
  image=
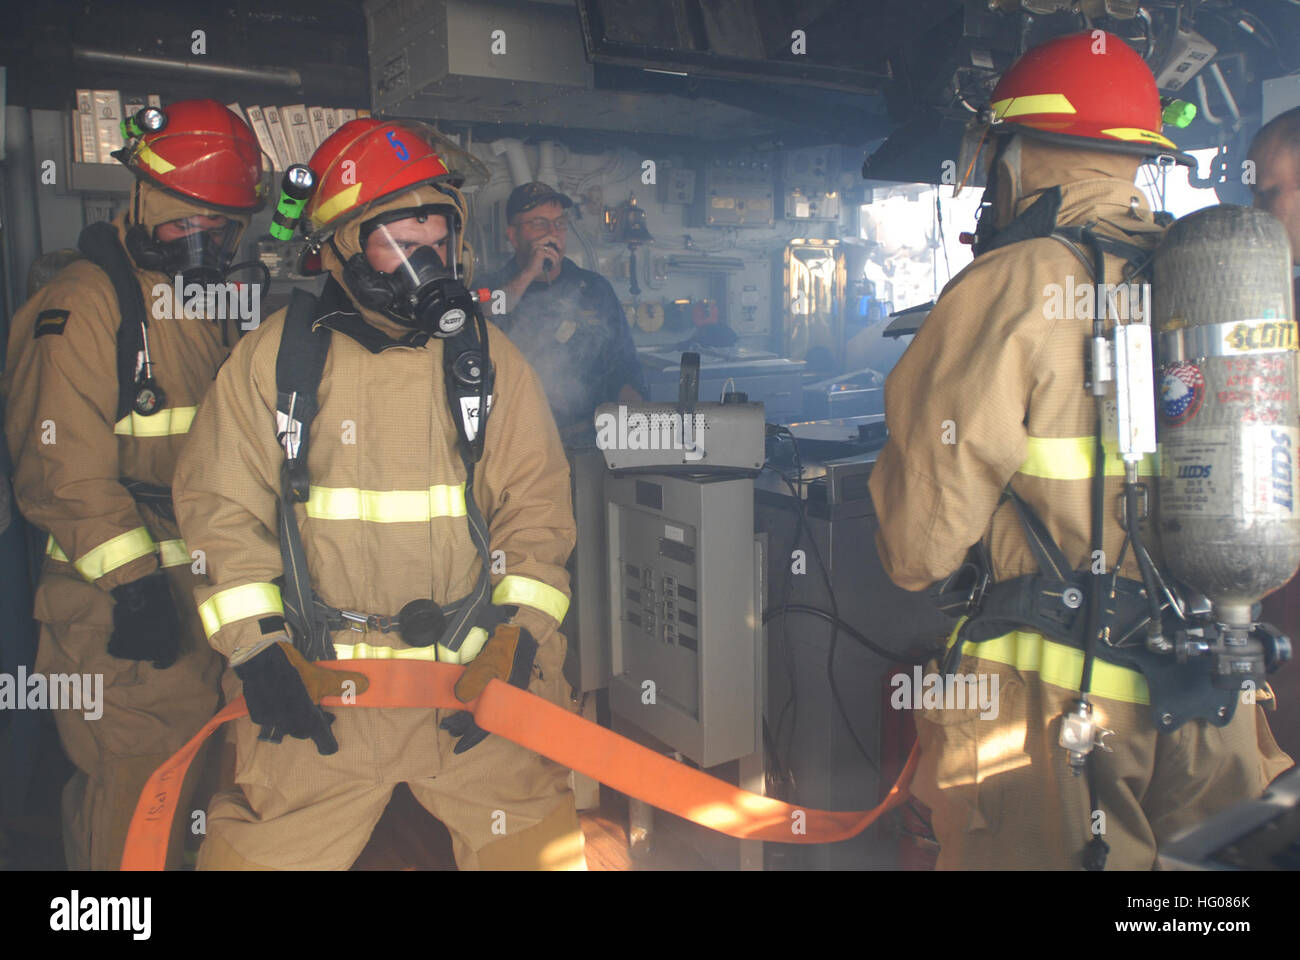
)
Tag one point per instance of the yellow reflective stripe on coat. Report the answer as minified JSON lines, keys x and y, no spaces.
{"x":240,"y":603}
{"x":470,"y":649}
{"x":386,"y":506}
{"x":167,"y":422}
{"x":1070,"y":458}
{"x":52,"y":549}
{"x":1060,"y":665}
{"x":109,"y":555}
{"x":173,"y":553}
{"x":524,"y":591}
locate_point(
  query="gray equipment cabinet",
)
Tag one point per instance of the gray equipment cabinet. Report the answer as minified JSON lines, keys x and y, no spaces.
{"x":684,"y":623}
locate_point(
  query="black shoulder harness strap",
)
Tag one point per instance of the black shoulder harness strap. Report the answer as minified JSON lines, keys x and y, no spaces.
{"x":1138,"y":257}
{"x":99,"y":243}
{"x":1051,"y":603}
{"x":1039,"y":220}
{"x":299,"y":367}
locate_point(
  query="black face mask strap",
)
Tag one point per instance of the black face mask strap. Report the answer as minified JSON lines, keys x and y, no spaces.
{"x":257,"y":265}
{"x":338,"y":254}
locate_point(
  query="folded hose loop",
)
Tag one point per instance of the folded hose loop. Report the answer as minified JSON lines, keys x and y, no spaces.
{"x":553,"y":732}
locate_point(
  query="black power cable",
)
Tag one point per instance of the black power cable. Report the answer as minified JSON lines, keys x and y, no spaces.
{"x":787,"y":655}
{"x":830,"y":592}
{"x":781,"y":611}
{"x":832,"y":617}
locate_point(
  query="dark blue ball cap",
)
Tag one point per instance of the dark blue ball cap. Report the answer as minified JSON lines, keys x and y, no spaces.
{"x":528,"y":195}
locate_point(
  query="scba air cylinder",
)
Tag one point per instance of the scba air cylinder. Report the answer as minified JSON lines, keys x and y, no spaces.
{"x":1229,"y":416}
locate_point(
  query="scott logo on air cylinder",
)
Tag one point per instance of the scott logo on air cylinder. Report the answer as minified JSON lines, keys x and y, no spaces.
{"x":1281,"y":473}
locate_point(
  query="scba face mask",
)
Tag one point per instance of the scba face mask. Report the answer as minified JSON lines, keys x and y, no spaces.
{"x":202,"y":256}
{"x":408,"y":270}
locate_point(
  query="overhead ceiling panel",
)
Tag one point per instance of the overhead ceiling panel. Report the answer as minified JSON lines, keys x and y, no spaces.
{"x":434,"y":59}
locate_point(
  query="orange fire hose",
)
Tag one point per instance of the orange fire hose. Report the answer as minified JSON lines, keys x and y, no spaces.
{"x":546,"y":729}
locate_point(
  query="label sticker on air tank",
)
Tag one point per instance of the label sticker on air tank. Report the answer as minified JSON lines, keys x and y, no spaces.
{"x":1191,"y":482}
{"x":1182,"y":391}
{"x":1246,"y":473}
{"x":1260,"y":336}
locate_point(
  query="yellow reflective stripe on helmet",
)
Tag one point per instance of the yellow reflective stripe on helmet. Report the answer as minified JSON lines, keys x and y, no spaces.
{"x":386,"y":506}
{"x":1070,"y":458}
{"x":1060,"y":665}
{"x":335,"y":205}
{"x":167,"y":422}
{"x":474,"y":641}
{"x":1137,"y":133}
{"x":154,"y":162}
{"x":240,"y":603}
{"x":114,"y":553}
{"x":173,"y":553}
{"x":1037,"y":103}
{"x":516,"y":591}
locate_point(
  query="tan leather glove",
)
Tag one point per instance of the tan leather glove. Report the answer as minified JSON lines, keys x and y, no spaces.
{"x":507,"y":655}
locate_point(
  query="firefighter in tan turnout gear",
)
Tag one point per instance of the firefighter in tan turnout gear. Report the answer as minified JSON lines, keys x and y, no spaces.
{"x":353,"y":503}
{"x":103,"y":387}
{"x":990,"y":397}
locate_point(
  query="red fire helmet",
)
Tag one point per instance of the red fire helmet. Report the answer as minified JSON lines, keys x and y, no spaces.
{"x":1091,"y":89}
{"x":366,"y":161}
{"x":204,"y":153}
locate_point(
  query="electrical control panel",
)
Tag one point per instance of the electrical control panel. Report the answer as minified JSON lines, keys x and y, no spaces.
{"x":682,"y":601}
{"x":677,"y":185}
{"x":749,"y":299}
{"x":809,"y":167}
{"x":801,"y":204}
{"x":808,"y":184}
{"x":736,"y":192}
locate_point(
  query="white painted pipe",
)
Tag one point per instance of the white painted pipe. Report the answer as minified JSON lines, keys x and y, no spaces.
{"x":546,"y":162}
{"x":516,"y":159}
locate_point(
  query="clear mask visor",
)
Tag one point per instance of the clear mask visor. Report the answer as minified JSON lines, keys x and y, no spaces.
{"x":412,"y":246}
{"x":201,"y":245}
{"x":973,"y":156}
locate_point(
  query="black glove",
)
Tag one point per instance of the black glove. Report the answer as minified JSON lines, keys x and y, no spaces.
{"x":508,"y":655}
{"x":146,"y":625}
{"x":281,"y":689}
